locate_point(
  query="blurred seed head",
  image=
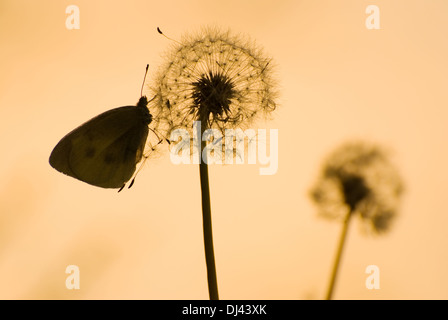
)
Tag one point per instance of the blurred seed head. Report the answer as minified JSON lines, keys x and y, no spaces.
{"x":359,"y":178}
{"x":223,"y":80}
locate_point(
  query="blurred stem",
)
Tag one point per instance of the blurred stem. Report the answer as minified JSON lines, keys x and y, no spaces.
{"x":207,"y":218}
{"x":338,"y":255}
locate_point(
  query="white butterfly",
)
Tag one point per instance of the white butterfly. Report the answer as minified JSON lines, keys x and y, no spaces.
{"x":105,"y":150}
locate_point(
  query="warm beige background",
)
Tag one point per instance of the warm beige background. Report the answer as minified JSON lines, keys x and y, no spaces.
{"x":338,"y":81}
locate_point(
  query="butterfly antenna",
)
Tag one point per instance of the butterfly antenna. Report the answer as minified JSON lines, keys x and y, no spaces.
{"x":144,"y":78}
{"x":160,"y":31}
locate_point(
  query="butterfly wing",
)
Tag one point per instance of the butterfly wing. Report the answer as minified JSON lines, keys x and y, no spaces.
{"x":105,"y":150}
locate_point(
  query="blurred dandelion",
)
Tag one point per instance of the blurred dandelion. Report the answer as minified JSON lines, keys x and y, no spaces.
{"x":358,"y":179}
{"x":223,"y":81}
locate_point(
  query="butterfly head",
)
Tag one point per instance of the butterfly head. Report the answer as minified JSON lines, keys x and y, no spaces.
{"x":142,"y":102}
{"x":143,"y":105}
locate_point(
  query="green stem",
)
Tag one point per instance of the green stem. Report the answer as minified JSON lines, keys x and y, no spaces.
{"x":338,"y":256}
{"x":207,"y":223}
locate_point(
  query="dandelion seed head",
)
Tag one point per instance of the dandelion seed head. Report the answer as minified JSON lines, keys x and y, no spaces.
{"x":223,"y":80}
{"x":359,"y":178}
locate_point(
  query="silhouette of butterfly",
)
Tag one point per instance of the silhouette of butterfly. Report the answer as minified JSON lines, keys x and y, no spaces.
{"x":105,"y":150}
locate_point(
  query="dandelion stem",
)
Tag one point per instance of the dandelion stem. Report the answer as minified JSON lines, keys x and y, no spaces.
{"x":338,"y":255}
{"x":207,"y":223}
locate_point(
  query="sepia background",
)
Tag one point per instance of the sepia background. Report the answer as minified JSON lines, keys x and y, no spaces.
{"x":338,"y":81}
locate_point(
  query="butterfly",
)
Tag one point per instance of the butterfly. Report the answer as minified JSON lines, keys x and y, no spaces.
{"x":105,"y":150}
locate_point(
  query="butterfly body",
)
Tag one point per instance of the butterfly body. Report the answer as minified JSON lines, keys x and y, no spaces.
{"x":105,"y":150}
